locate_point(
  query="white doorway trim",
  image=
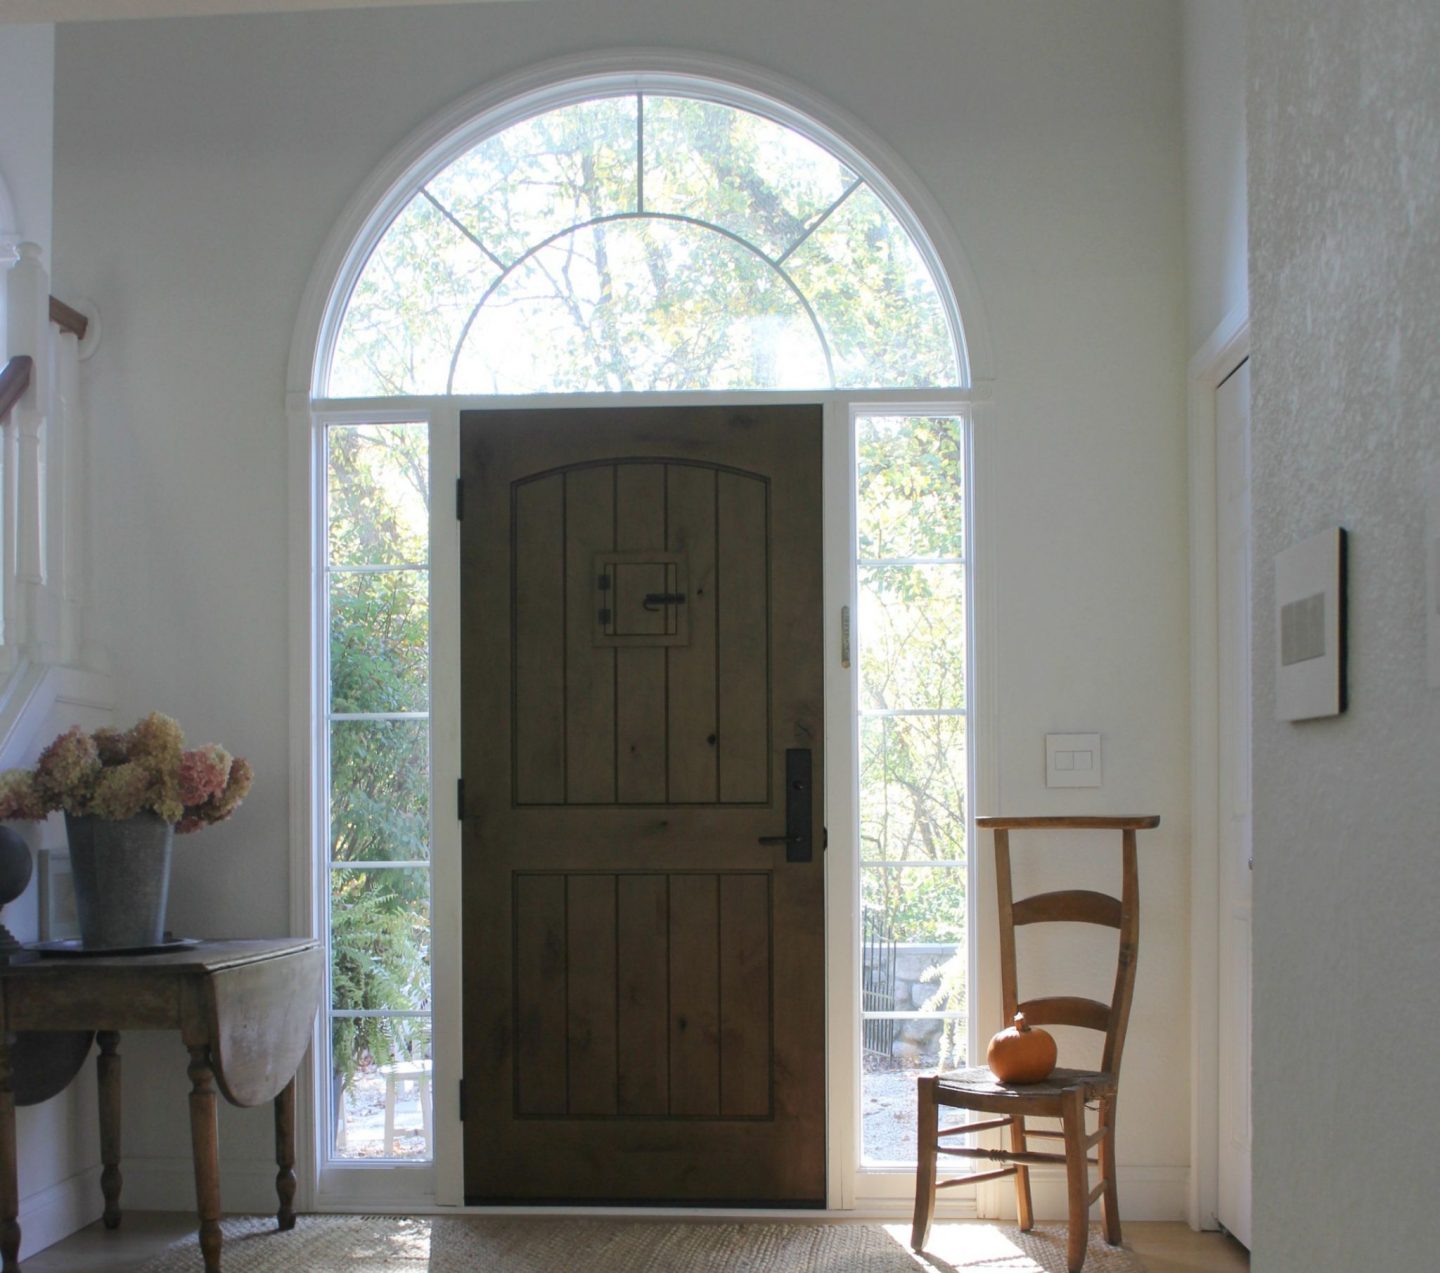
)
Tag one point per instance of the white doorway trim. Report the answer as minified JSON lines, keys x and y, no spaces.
{"x":1226,"y":348}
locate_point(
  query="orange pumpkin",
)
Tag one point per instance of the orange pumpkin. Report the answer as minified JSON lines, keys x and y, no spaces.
{"x":1020,"y":1054}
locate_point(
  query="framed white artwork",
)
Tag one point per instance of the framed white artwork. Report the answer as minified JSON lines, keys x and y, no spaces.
{"x":58,"y":917}
{"x":1310,"y":628}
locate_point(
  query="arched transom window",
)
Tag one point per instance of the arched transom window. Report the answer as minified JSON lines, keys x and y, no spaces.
{"x":643,"y":242}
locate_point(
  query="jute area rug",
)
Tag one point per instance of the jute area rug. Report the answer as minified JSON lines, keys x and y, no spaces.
{"x":526,"y":1244}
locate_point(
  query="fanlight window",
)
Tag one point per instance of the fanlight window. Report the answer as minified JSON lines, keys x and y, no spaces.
{"x":646,"y":242}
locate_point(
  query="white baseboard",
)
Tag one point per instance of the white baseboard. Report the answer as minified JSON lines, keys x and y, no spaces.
{"x":53,"y":1214}
{"x":168,"y":1184}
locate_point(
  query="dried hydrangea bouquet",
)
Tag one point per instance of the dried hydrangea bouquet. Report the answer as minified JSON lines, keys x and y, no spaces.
{"x":124,"y":795}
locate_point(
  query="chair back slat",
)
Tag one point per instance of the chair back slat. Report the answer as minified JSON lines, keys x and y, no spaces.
{"x":1076,"y":905}
{"x":1067,"y":1010}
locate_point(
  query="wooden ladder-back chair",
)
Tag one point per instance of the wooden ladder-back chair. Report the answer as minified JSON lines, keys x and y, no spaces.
{"x":1065,"y":1094}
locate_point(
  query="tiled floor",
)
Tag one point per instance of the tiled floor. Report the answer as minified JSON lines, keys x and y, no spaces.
{"x":1164,"y":1248}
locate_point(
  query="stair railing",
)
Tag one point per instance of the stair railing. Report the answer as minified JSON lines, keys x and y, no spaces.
{"x":42,"y":601}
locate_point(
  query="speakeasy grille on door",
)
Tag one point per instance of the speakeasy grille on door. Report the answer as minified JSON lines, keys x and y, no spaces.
{"x":640,"y":599}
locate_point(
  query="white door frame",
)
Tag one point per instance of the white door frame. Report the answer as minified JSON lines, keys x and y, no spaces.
{"x":1226,"y":348}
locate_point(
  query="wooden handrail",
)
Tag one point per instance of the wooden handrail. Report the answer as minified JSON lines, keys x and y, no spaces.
{"x":14,"y":380}
{"x":68,"y":319}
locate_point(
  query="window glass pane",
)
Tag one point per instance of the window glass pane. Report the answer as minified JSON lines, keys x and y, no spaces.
{"x":917,"y":906}
{"x":538,"y":234}
{"x":380,"y":939}
{"x":875,"y":297}
{"x":903,"y":1050}
{"x":756,"y":178}
{"x":380,"y":1081}
{"x":380,"y":791}
{"x":544,"y":175}
{"x":409,"y":306}
{"x":380,"y":641}
{"x":912,"y":788}
{"x":378,"y":483}
{"x":911,"y":635}
{"x":641,"y":305}
{"x":911,"y":472}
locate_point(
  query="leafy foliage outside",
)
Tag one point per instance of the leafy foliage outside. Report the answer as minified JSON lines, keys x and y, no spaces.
{"x":552,"y":258}
{"x":911,"y":636}
{"x":379,"y":769}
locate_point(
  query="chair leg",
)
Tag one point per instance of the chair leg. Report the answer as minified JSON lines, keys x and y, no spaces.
{"x":1110,"y":1200}
{"x":1024,"y":1210}
{"x":1077,"y":1177}
{"x":927,"y":1115}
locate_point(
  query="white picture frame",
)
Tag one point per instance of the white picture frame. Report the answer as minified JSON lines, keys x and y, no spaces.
{"x":59,"y":919}
{"x":1310,"y":620}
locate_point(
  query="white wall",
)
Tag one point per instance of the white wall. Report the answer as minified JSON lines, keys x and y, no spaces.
{"x":1215,"y":201}
{"x":201,"y":163}
{"x":1344,"y":133}
{"x":27,"y":91}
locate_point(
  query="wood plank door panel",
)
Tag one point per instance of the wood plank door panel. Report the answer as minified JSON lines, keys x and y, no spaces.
{"x":641,"y":644}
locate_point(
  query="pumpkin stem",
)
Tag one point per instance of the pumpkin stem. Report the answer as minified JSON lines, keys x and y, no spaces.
{"x":1020,"y":1023}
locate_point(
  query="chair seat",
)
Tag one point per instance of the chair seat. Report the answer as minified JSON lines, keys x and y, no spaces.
{"x":978,"y":1081}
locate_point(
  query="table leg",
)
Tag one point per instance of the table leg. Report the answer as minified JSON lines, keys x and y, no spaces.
{"x":285,"y":1156}
{"x":205,"y":1145}
{"x":107,"y":1075}
{"x":9,"y":1184}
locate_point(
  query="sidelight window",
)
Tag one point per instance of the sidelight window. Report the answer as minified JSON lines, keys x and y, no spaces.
{"x":378,"y":742}
{"x":910,"y":634}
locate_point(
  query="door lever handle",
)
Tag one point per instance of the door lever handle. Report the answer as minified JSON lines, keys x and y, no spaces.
{"x":799,"y":831}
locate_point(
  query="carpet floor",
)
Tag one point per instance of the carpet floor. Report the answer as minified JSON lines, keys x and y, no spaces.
{"x":527,"y":1244}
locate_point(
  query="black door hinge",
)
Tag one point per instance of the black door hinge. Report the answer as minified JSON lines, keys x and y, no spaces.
{"x":459,"y":499}
{"x":460,"y":799}
{"x":462,"y":1100}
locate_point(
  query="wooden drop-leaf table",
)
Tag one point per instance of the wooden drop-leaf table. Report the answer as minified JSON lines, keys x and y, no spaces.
{"x":244,"y":1010}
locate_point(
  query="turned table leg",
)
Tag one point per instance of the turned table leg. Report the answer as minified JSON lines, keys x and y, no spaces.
{"x":107,"y":1075}
{"x":205,"y":1144}
{"x":285,"y":1156}
{"x":9,"y":1185}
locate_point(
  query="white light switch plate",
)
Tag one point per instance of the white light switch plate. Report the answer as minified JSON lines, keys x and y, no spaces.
{"x":1072,"y":760}
{"x":1432,"y":584}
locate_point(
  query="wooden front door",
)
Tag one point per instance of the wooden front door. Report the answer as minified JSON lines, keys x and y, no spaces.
{"x":642,"y":695}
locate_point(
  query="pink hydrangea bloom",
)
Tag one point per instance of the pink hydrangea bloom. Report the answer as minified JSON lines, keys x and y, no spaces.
{"x":114,"y":774}
{"x":121,"y":791}
{"x":221,"y":805}
{"x":113,"y":745}
{"x":66,"y":772}
{"x":204,"y":772}
{"x":19,"y":797}
{"x":157,"y":741}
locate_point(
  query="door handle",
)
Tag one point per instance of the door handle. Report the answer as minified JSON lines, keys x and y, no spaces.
{"x":799,"y":838}
{"x":654,"y":600}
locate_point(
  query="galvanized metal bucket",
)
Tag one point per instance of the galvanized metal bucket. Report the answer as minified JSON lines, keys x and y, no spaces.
{"x":121,"y":869}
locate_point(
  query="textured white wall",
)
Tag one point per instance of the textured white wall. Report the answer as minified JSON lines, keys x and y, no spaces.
{"x":1344,"y":132}
{"x":1215,"y":202}
{"x":201,"y":163}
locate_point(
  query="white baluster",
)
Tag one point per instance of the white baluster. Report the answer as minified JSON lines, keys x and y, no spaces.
{"x":28,"y":320}
{"x":66,"y":502}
